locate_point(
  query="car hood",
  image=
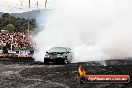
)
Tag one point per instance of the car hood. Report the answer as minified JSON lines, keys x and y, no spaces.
{"x":54,"y":53}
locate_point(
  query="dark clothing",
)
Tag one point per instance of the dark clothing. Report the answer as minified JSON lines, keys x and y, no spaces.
{"x":5,"y":50}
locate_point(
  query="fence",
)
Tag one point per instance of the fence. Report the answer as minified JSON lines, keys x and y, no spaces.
{"x":17,"y":54}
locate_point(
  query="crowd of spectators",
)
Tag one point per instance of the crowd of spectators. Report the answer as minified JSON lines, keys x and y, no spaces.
{"x":15,"y":41}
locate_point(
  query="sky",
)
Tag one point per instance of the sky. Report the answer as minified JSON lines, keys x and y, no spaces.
{"x":14,"y":6}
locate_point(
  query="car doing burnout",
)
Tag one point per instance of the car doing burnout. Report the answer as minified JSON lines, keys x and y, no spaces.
{"x":58,"y":55}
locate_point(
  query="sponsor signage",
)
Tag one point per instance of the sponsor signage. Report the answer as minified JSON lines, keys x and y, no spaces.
{"x":23,"y":53}
{"x":83,"y":78}
{"x":107,"y":78}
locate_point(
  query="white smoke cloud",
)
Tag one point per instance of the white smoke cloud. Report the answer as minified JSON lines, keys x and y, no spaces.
{"x":93,"y":29}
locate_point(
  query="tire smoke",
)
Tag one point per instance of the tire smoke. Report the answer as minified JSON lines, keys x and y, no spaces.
{"x":94,"y":29}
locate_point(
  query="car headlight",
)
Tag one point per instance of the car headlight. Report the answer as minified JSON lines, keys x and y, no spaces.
{"x":47,"y":56}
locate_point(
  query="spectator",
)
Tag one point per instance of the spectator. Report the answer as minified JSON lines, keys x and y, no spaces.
{"x":15,"y":40}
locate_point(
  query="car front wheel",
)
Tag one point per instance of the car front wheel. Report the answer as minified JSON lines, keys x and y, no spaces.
{"x":46,"y":62}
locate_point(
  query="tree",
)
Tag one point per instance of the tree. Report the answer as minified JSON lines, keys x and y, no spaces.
{"x":9,"y":27}
{"x":19,"y":24}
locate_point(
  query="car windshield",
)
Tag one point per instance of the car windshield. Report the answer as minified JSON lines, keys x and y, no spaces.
{"x":57,"y":49}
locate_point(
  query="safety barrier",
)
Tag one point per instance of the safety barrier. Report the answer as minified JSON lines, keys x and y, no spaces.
{"x":18,"y":53}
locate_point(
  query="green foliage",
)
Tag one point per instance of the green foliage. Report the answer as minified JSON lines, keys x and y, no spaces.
{"x":9,"y":27}
{"x":11,"y":23}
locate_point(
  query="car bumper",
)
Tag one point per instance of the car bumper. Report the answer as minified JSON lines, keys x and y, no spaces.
{"x":56,"y":60}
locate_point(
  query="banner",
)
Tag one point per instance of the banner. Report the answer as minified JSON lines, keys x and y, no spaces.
{"x":23,"y":53}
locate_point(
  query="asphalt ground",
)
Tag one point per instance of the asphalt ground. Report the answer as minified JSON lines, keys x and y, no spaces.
{"x":33,"y":74}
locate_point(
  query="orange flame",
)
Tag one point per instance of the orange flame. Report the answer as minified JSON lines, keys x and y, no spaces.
{"x":81,"y":71}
